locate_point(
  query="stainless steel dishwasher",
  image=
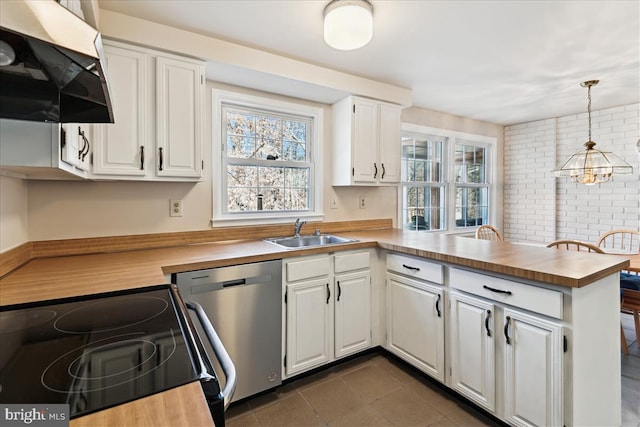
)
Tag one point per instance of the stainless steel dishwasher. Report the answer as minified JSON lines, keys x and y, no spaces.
{"x":244,"y":304}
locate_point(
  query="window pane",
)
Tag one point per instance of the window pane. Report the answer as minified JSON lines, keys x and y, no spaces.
{"x":293,"y":150}
{"x":296,"y":199}
{"x":421,"y":159}
{"x":271,"y":177}
{"x":470,"y":164}
{"x":471,"y":207}
{"x":423,"y":208}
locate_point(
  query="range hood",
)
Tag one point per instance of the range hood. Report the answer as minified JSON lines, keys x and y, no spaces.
{"x":51,"y":67}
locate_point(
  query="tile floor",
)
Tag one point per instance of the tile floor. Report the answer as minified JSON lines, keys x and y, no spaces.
{"x":371,"y":390}
{"x":630,"y":376}
{"x":375,"y":390}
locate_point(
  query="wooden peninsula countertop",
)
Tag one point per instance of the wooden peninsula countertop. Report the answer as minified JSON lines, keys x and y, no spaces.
{"x":72,"y":275}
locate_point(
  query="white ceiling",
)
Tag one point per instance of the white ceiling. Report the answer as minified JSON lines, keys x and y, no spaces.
{"x":503,"y":61}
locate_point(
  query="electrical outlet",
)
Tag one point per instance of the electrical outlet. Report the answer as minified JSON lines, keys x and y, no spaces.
{"x":175,"y":207}
{"x":362,"y":202}
{"x":334,"y":203}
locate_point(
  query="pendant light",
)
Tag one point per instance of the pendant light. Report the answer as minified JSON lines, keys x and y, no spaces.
{"x":592,"y":166}
{"x":348,"y":24}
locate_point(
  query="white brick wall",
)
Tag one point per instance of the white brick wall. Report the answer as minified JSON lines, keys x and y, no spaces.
{"x":539,"y":208}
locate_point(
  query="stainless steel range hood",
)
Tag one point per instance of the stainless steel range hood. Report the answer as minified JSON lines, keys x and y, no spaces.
{"x":51,"y":67}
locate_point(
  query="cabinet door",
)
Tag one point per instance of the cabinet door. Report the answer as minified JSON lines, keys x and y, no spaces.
{"x":533,"y":370}
{"x":389,"y":143}
{"x":365,"y":141}
{"x":309,"y":314}
{"x":76,"y":147}
{"x":415,"y":323}
{"x":119,"y":147}
{"x":179,"y":118}
{"x":352,"y":312}
{"x":472,"y":357}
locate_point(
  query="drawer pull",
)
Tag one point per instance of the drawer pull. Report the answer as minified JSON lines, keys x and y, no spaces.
{"x":410,"y":268}
{"x":500,"y":291}
{"x":506,"y":330}
{"x":486,"y":323}
{"x":438,"y":306}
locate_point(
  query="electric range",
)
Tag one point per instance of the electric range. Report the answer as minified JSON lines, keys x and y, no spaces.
{"x":98,"y":351}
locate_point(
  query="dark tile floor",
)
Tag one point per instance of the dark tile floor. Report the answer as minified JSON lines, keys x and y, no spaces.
{"x":371,"y":390}
{"x":376,"y":390}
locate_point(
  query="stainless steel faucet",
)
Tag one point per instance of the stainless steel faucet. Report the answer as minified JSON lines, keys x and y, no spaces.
{"x":298,"y":226}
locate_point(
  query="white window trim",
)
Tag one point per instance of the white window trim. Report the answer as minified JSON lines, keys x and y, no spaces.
{"x":219,"y":217}
{"x":490,"y":143}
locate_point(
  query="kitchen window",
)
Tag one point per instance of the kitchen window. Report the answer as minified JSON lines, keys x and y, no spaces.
{"x":471,"y":187}
{"x":268,"y":160}
{"x":446,"y":179}
{"x":423,"y":189}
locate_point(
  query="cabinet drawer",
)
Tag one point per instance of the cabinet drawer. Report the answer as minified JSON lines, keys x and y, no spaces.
{"x":529,"y":297}
{"x":351,"y":261}
{"x":415,"y":267}
{"x":307,"y":268}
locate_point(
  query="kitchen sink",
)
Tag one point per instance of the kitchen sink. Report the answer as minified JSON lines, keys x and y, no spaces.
{"x":308,"y":241}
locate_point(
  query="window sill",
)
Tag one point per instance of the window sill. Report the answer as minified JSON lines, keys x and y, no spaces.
{"x":252,"y":219}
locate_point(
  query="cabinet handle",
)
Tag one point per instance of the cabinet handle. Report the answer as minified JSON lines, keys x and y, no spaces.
{"x":161,"y":158}
{"x":328,"y":293}
{"x":506,"y":330}
{"x":500,"y":291}
{"x":339,"y":291}
{"x":383,"y":171}
{"x":486,"y":323}
{"x":375,"y":170}
{"x":410,"y":268}
{"x":438,"y":305}
{"x":85,"y":144}
{"x":142,"y":157}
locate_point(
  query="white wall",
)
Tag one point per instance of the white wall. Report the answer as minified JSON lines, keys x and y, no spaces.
{"x":540,"y":208}
{"x":74,"y":209}
{"x":13,"y":212}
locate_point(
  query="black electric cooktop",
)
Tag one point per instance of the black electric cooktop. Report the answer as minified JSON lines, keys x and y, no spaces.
{"x":96,"y":351}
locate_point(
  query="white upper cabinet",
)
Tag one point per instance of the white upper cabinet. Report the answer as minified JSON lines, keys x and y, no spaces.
{"x":179,"y":117}
{"x":157,"y":101}
{"x":366,"y":142}
{"x":119,"y":148}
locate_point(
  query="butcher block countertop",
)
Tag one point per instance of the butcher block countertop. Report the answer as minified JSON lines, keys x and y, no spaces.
{"x":72,"y":275}
{"x":65,"y":276}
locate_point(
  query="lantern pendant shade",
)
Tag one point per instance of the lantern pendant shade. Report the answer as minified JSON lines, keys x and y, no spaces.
{"x":591,"y":166}
{"x":348,"y":24}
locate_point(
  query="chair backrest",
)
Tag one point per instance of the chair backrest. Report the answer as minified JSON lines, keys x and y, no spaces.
{"x":487,"y":232}
{"x":620,"y":240}
{"x":630,"y":300}
{"x":575,"y":245}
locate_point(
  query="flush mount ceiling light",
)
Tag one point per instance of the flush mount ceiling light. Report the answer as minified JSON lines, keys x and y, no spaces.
{"x":348,"y":24}
{"x":591,"y":166}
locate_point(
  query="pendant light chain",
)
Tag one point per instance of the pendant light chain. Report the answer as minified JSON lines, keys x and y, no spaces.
{"x":589,"y":109}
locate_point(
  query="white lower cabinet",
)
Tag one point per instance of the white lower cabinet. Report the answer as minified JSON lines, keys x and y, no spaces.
{"x":352,"y":313}
{"x":506,"y":360}
{"x":309,"y":308}
{"x":472,"y":353}
{"x":533,"y":374}
{"x":415,"y":325}
{"x":415,"y":315}
{"x":327,"y":309}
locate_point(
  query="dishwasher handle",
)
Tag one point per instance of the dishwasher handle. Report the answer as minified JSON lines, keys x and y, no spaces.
{"x":226,"y":363}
